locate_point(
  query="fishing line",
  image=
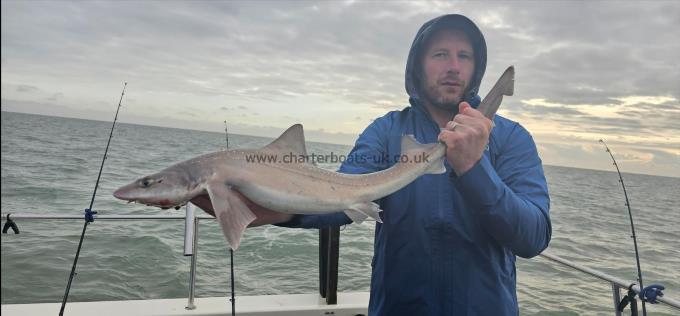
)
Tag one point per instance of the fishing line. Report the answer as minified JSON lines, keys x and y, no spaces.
{"x":89,"y":214}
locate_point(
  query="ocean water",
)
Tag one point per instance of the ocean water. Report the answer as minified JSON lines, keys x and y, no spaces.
{"x":50,"y":164}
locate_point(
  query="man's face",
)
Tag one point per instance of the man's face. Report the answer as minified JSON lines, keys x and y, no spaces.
{"x":448,"y":65}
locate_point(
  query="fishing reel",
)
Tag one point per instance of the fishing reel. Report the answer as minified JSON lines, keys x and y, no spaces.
{"x":9,"y":223}
{"x":648,"y":294}
{"x":629,"y":299}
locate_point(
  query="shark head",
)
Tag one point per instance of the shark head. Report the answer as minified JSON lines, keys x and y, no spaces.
{"x":166,"y":189}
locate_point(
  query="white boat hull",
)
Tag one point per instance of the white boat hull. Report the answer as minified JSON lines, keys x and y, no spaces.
{"x":349,"y":304}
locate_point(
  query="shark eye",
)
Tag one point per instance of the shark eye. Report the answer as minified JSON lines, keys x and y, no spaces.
{"x":146,"y":182}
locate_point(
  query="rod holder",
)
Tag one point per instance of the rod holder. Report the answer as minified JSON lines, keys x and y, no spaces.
{"x":189,"y":229}
{"x":329,"y":252}
{"x":191,"y":249}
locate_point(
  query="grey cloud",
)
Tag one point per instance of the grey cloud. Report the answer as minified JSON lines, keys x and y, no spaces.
{"x":608,"y":47}
{"x":543,"y":111}
{"x":389,"y":107}
{"x":298,"y":44}
{"x":663,"y":157}
{"x":670,"y":107}
{"x":26,"y":88}
{"x":640,"y":119}
{"x":564,"y":51}
{"x":186,"y":113}
{"x":278,"y":49}
{"x":55,"y":96}
{"x":53,"y":109}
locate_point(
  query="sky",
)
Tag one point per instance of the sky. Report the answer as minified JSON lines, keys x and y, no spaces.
{"x":585,"y":70}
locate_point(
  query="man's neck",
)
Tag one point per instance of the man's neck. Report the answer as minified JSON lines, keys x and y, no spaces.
{"x":439,"y":115}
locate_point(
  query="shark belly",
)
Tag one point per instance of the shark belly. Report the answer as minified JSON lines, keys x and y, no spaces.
{"x":297,"y":198}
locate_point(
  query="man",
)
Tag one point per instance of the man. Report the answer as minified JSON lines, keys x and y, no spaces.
{"x":448,"y":242}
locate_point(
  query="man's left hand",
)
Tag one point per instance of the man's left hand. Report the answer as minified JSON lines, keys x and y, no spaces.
{"x":465,"y":138}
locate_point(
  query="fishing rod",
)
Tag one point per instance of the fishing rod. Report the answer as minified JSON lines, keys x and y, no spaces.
{"x":226,"y":134}
{"x":233,"y":298}
{"x":89,"y":214}
{"x":231,"y":251}
{"x":629,"y":298}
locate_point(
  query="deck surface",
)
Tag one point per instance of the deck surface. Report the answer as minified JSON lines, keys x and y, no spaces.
{"x":349,"y":304}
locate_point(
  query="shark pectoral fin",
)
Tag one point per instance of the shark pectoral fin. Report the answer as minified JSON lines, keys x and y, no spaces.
{"x":356,"y":216}
{"x":232,"y":214}
{"x":360,"y":211}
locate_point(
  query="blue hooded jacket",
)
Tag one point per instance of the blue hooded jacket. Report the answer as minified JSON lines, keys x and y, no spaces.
{"x":447,"y":244}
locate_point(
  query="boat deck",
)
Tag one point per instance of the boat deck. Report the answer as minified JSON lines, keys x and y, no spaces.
{"x":349,"y":304}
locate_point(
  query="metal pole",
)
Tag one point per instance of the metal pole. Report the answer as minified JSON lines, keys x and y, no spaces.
{"x":324,"y":235}
{"x":192,"y":272}
{"x":617,"y":299}
{"x":332,"y":265}
{"x":189,"y":229}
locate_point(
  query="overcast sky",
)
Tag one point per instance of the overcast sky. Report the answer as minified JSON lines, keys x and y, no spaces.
{"x":584,"y":70}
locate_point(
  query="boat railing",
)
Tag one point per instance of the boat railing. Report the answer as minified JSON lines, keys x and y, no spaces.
{"x":329,"y":241}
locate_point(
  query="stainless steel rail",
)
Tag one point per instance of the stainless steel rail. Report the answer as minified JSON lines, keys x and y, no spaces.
{"x":190,"y":218}
{"x":191,"y":242}
{"x":191,"y":249}
{"x":14,"y":216}
{"x":616,"y":283}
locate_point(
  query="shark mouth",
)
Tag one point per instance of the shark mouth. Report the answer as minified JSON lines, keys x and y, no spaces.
{"x":162,"y":204}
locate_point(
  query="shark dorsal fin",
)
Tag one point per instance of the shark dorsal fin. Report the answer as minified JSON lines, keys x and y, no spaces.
{"x":291,"y":141}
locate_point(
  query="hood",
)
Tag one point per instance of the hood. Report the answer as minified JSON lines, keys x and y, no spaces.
{"x":454,"y":21}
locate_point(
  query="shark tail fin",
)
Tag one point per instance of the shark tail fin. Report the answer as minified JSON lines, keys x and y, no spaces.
{"x":418,"y":153}
{"x":360,"y":211}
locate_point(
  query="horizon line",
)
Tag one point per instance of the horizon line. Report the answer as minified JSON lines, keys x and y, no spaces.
{"x":306,"y":141}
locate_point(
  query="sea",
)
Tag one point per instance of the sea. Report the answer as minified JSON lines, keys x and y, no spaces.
{"x":50,"y":165}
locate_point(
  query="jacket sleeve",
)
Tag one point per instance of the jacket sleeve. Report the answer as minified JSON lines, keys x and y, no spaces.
{"x":367,"y":156}
{"x":512,"y":199}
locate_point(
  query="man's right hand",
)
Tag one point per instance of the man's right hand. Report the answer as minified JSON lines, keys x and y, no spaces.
{"x":465,"y":138}
{"x":264,"y":215}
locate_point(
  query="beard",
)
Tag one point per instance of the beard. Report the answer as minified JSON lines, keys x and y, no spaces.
{"x":435,"y":96}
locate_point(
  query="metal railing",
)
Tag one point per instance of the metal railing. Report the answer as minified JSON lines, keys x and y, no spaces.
{"x":328,"y":254}
{"x":190,"y":233}
{"x":328,"y":245}
{"x":617,"y":283}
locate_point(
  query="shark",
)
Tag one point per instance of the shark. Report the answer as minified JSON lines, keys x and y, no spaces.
{"x":266,"y":177}
{"x":278,"y":177}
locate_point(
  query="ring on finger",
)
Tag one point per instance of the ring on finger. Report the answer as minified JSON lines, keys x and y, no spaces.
{"x":452,"y":125}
